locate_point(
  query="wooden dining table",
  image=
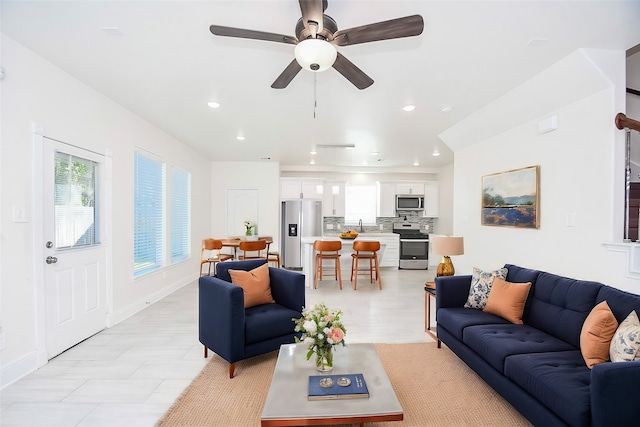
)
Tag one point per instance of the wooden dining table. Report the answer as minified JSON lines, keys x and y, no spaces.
{"x":234,"y":242}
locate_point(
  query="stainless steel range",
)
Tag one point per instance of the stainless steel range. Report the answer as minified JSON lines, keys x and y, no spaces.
{"x":414,"y":246}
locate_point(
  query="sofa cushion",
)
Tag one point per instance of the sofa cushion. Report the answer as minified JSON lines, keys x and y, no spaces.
{"x":455,"y":320}
{"x":559,"y":380}
{"x":481,"y":286}
{"x":517,"y":274}
{"x":597,"y":331}
{"x":255,"y":285}
{"x":494,"y":343}
{"x":620,"y":302}
{"x":507,"y":300}
{"x":560,"y":305}
{"x":267,"y":321}
{"x":626,"y":341}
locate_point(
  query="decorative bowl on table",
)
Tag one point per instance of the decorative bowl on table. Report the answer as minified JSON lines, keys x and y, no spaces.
{"x":349,"y":235}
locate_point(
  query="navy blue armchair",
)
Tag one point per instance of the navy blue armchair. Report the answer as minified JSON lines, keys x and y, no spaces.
{"x":235,"y":333}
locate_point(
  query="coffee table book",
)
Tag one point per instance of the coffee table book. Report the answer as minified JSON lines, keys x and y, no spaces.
{"x":326,"y":387}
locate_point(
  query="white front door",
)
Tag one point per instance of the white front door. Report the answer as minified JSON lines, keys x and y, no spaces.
{"x":74,"y":270}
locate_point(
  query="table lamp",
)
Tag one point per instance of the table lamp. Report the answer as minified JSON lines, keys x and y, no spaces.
{"x":447,"y":246}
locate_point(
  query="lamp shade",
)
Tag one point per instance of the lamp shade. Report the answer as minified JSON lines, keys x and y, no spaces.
{"x":315,"y":54}
{"x":448,"y":245}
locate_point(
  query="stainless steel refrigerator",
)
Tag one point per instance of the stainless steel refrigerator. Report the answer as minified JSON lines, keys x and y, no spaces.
{"x":300,"y":218}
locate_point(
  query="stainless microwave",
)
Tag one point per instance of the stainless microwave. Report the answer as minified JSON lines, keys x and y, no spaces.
{"x":409,"y":203}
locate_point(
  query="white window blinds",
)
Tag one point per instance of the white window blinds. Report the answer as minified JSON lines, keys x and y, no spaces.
{"x":149,"y":214}
{"x":180,"y":213}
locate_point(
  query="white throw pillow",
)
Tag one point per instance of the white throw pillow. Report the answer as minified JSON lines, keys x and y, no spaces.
{"x":626,"y":341}
{"x":481,"y":286}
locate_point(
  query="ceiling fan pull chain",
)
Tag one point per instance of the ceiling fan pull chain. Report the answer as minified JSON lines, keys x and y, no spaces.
{"x":315,"y":93}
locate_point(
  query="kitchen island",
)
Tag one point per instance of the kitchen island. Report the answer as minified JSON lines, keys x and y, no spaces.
{"x":345,"y":255}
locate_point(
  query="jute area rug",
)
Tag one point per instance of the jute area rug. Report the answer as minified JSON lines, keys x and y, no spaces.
{"x":434,"y":387}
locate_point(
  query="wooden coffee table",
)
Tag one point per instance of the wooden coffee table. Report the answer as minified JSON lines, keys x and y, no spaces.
{"x":287,"y":403}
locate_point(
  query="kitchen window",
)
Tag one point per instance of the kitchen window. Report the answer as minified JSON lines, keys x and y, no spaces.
{"x":360,"y":204}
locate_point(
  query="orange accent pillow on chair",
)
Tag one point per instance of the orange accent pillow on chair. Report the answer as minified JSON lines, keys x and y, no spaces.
{"x":255,"y":284}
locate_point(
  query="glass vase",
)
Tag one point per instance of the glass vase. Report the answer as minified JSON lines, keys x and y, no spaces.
{"x":324,"y":359}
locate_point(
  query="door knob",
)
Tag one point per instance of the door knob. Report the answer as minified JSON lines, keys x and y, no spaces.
{"x":51,"y":260}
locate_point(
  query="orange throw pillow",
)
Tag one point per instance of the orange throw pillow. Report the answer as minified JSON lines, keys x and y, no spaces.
{"x":597,"y":331}
{"x":507,"y":299}
{"x":255,"y":284}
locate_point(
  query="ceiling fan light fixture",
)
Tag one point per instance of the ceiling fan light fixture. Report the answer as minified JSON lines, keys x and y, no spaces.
{"x":315,"y":54}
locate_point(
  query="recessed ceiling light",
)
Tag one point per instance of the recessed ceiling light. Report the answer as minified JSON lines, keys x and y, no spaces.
{"x":313,"y":152}
{"x":374,"y":153}
{"x":416,"y":163}
{"x":409,"y":107}
{"x":312,"y":162}
{"x":112,"y":31}
{"x":240,"y":138}
{"x":446,"y":109}
{"x":435,"y":153}
{"x":213,"y":104}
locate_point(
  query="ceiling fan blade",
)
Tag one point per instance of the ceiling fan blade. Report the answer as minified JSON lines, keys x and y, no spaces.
{"x":287,"y":75}
{"x":352,"y":73}
{"x":312,"y":12}
{"x":394,"y":29}
{"x":219,"y":30}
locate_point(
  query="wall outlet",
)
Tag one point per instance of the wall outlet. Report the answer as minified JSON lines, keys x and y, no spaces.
{"x":570,"y":219}
{"x":381,"y":226}
{"x":3,"y":340}
{"x":329,"y":226}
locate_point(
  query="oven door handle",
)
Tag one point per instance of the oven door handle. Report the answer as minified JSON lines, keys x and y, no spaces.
{"x":415,"y":240}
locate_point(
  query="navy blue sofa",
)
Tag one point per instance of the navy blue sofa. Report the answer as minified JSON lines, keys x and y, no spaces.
{"x":235,"y":333}
{"x":538,"y":366}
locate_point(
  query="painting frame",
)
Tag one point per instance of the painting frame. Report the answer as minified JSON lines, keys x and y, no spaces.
{"x":511,"y":198}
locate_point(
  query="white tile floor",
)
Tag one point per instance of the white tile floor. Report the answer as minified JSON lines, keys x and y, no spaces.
{"x":130,"y":375}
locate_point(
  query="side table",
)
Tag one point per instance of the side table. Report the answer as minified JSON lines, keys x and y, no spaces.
{"x":429,"y":292}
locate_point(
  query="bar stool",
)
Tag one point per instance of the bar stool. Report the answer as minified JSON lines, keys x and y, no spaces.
{"x":212,"y":246}
{"x":366,"y":251}
{"x":327,"y":250}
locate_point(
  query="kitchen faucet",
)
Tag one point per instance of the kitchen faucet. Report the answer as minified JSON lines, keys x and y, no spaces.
{"x":360,"y":224}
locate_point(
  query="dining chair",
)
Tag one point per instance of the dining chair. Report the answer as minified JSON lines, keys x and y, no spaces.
{"x":327,"y":250}
{"x":252,"y":249}
{"x":272,"y":256}
{"x":211,"y":254}
{"x":365,"y":250}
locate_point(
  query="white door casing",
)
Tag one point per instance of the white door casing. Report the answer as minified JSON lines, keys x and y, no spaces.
{"x":74,"y":263}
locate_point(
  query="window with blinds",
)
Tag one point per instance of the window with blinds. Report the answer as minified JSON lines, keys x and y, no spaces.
{"x":149,"y":214}
{"x":180,"y":214}
{"x":360,"y":204}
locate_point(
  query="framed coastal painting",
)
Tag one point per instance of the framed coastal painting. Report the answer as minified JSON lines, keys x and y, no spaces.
{"x":511,"y":198}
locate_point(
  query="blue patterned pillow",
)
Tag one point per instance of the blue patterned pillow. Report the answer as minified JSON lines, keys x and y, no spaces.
{"x":626,"y":341}
{"x":481,"y":282}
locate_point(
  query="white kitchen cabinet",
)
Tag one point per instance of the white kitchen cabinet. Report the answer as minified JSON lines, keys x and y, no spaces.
{"x":431,"y":199}
{"x":391,"y":254}
{"x":301,"y":189}
{"x":413,"y":188}
{"x":334,"y":198}
{"x":386,"y":199}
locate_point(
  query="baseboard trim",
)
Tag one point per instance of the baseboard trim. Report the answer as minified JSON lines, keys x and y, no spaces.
{"x":18,"y":368}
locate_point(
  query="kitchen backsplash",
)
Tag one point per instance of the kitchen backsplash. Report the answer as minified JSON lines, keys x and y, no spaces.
{"x":387,"y":224}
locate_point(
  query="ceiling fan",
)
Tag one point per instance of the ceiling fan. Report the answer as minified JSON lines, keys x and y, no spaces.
{"x":317,"y":35}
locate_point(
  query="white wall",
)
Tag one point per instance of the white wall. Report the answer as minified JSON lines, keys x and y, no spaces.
{"x":36,"y":91}
{"x":261,"y":176}
{"x":581,"y":172}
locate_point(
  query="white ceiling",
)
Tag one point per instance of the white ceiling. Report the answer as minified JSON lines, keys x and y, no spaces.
{"x":165,"y":65}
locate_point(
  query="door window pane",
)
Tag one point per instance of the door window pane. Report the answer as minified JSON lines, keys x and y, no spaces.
{"x":75,"y":202}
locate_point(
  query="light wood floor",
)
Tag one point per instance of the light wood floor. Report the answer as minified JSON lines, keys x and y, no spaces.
{"x":129,"y":375}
